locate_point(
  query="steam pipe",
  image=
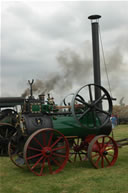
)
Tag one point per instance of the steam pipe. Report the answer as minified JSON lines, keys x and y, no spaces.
{"x":96,"y":54}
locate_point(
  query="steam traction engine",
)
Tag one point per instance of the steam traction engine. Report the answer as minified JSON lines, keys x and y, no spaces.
{"x":8,"y":120}
{"x":49,"y":135}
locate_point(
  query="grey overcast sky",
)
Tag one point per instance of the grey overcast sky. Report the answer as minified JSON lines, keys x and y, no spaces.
{"x":51,"y":43}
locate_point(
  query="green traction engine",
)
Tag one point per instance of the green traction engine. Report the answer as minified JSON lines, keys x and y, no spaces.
{"x":46,"y":136}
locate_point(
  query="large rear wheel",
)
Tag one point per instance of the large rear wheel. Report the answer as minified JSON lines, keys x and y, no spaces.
{"x":46,"y":151}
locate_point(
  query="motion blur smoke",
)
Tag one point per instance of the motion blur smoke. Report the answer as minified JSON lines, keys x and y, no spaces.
{"x":75,"y":67}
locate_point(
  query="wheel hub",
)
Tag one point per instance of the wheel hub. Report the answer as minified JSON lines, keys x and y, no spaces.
{"x":77,"y":148}
{"x":105,"y":153}
{"x":46,"y":151}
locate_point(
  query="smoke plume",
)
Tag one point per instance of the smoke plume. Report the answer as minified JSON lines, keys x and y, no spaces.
{"x":75,"y":67}
{"x":41,"y":86}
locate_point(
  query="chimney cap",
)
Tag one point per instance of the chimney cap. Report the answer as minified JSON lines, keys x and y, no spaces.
{"x":94,"y":17}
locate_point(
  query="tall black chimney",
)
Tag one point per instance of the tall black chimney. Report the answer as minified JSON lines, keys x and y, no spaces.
{"x":96,"y":54}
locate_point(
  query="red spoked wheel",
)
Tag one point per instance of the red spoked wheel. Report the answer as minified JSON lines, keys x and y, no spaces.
{"x":102,"y":151}
{"x":15,"y":154}
{"x":78,"y":151}
{"x":46,"y":151}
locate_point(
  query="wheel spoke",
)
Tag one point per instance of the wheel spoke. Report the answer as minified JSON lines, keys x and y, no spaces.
{"x":107,"y":160}
{"x":74,"y":143}
{"x":103,"y":142}
{"x":111,"y":148}
{"x":81,"y":101}
{"x":44,"y":138}
{"x":49,"y":166}
{"x":33,"y":156}
{"x":78,"y":141}
{"x":70,"y":157}
{"x":83,"y":153}
{"x":58,"y":148}
{"x":98,"y":100}
{"x":59,"y":155}
{"x":84,"y":113}
{"x":102,"y":162}
{"x":42,"y":167}
{"x":95,"y":155}
{"x":80,"y":156}
{"x":110,"y":154}
{"x":97,"y":161}
{"x":50,"y":139}
{"x":90,"y":93}
{"x":55,"y":161}
{"x":75,"y":157}
{"x":98,"y":144}
{"x":56,"y":142}
{"x":107,"y":144}
{"x":38,"y":161}
{"x":35,"y":149}
{"x":101,"y":111}
{"x":37,"y":142}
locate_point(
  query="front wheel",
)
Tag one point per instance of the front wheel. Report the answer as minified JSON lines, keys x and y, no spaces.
{"x":46,"y":151}
{"x":102,"y":151}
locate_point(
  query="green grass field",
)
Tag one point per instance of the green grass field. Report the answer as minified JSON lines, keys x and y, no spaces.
{"x":79,"y":177}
